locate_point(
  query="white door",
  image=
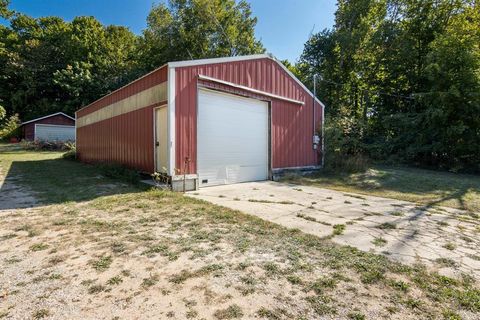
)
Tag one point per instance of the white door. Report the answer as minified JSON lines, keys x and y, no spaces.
{"x":51,"y":132}
{"x":232,"y":139}
{"x":161,"y":139}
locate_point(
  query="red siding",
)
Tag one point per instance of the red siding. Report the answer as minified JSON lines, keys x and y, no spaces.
{"x":126,"y":139}
{"x":292,"y":125}
{"x":29,"y":128}
{"x":147,"y":81}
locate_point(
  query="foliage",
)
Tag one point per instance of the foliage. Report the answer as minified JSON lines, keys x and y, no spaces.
{"x":3,"y":113}
{"x":40,"y":145}
{"x":8,"y":125}
{"x":71,"y":151}
{"x":193,"y":29}
{"x":4,"y":11}
{"x":344,"y":146}
{"x":49,"y":65}
{"x":406,"y":74}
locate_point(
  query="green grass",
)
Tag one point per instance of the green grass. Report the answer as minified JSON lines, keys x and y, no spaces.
{"x":427,"y":187}
{"x":232,"y":312}
{"x":338,"y":229}
{"x":58,"y":179}
{"x":102,"y":264}
{"x":387,"y":226}
{"x":39,"y":247}
{"x":379,"y":242}
{"x":40,"y":314}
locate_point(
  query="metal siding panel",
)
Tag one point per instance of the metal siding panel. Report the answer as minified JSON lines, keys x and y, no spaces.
{"x":125,"y":139}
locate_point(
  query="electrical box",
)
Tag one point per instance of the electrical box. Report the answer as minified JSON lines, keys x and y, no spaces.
{"x":316,"y":142}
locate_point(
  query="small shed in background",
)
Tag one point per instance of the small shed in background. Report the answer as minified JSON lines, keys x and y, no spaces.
{"x":53,"y":127}
{"x":209,"y":122}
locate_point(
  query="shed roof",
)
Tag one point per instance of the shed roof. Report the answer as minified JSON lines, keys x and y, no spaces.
{"x":48,"y":116}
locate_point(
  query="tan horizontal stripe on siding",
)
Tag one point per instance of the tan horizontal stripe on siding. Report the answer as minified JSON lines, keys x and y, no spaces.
{"x":137,"y":101}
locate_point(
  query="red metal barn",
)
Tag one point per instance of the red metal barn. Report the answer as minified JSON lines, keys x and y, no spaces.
{"x":214,"y":121}
{"x":53,"y":127}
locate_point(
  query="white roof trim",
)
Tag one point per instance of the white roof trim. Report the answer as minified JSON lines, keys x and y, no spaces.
{"x":189,"y":63}
{"x":50,"y":115}
{"x":263,"y":93}
{"x":52,"y":125}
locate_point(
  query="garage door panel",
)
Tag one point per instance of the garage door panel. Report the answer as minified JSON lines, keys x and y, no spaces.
{"x":45,"y":132}
{"x":232,"y":139}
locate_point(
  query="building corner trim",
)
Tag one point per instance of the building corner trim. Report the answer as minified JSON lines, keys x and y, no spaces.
{"x":171,"y":120}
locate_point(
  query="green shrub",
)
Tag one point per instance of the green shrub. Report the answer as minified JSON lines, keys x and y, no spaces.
{"x":39,"y":145}
{"x":344,"y":148}
{"x":71,"y":153}
{"x":9,"y":127}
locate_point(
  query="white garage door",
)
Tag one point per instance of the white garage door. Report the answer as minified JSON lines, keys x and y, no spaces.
{"x":232,"y":139}
{"x":50,"y":132}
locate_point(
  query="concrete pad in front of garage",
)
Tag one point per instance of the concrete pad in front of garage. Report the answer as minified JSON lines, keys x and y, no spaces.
{"x":443,"y":238}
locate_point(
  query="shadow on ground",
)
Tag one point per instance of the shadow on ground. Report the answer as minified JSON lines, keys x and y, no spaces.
{"x":32,"y":183}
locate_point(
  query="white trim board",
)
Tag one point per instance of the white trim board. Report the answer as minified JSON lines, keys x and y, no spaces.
{"x":171,"y":120}
{"x":263,"y":93}
{"x":189,"y":63}
{"x":49,"y":116}
{"x":53,"y":125}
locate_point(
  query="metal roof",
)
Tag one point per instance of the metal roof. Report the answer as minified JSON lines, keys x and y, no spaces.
{"x":45,"y":117}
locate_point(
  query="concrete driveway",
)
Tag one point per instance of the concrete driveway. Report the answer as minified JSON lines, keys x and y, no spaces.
{"x":443,"y":238}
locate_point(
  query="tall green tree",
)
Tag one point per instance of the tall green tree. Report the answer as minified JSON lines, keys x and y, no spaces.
{"x":5,"y":12}
{"x":50,"y":65}
{"x":404,"y":76}
{"x":193,"y":29}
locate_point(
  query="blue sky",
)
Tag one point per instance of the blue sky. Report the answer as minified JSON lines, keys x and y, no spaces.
{"x":283,"y":25}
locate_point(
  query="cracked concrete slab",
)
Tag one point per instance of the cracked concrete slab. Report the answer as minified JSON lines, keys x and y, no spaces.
{"x":442,"y":238}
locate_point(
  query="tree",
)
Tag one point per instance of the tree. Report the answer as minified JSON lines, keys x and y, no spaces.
{"x":50,"y":65}
{"x":8,"y":126}
{"x":4,"y":11}
{"x":193,"y":29}
{"x":407,"y":72}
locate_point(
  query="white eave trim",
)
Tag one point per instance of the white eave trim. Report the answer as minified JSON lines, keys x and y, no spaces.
{"x":263,"y":93}
{"x":45,"y":117}
{"x":189,"y":63}
{"x":53,"y":125}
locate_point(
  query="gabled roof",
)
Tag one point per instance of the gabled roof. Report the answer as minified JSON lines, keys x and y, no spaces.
{"x":188,"y":63}
{"x":45,"y":117}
